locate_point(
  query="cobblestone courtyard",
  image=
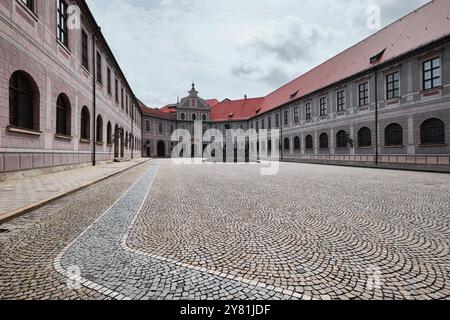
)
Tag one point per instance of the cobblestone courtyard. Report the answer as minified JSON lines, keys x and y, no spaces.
{"x":161,"y":231}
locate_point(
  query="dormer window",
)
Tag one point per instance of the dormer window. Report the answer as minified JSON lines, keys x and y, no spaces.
{"x":294,"y":94}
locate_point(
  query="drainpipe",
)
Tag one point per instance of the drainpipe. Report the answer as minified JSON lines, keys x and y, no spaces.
{"x":281,"y":142}
{"x":376,"y":117}
{"x":94,"y":94}
{"x":132,"y":135}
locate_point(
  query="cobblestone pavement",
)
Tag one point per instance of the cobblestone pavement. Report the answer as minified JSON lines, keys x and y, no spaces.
{"x":321,"y":231}
{"x":223,"y":232}
{"x":17,"y":194}
{"x":31,"y":243}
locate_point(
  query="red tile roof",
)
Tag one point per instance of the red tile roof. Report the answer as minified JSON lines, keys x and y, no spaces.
{"x":146,"y":111}
{"x":233,"y":110}
{"x":170,"y":108}
{"x":212,"y":102}
{"x":421,"y":27}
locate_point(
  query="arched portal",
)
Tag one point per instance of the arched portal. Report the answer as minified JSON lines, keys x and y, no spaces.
{"x":161,"y":149}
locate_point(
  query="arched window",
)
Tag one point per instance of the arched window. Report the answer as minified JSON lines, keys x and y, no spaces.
{"x":99,"y":127}
{"x":341,"y":139}
{"x":194,"y":117}
{"x":85,"y":128}
{"x":109,"y":133}
{"x":287,"y":144}
{"x":296,"y":143}
{"x":204,"y":117}
{"x":23,"y":101}
{"x":183,"y":116}
{"x":393,"y":135}
{"x":63,"y":123}
{"x":323,"y":140}
{"x":432,"y":131}
{"x":364,"y":137}
{"x":309,"y":143}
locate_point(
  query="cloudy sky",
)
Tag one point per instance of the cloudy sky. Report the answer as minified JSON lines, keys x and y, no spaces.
{"x":233,"y":47}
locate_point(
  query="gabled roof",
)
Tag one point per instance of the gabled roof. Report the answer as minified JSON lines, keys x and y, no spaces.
{"x":424,"y":26}
{"x":421,"y":27}
{"x":234,"y":110}
{"x":146,"y":111}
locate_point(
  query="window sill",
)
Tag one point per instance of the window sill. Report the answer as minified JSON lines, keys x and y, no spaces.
{"x":64,"y":47}
{"x":323,"y":117}
{"x":431,"y":92}
{"x":363,"y":108}
{"x":109,"y":144}
{"x":342,"y":148}
{"x":24,"y":131}
{"x":63,"y":137}
{"x":99,"y":143}
{"x":30,"y":12}
{"x":86,"y":70}
{"x":85,"y":141}
{"x":340,"y":113}
{"x":394,"y":146}
{"x":442,"y":145}
{"x":366,"y":147}
{"x":392,"y":101}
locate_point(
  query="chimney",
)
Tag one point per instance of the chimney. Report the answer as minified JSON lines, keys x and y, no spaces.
{"x":245,"y":96}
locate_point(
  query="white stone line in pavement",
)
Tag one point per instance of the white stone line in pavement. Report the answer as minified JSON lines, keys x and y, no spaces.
{"x":253,"y":283}
{"x":123,"y":243}
{"x":57,"y":262}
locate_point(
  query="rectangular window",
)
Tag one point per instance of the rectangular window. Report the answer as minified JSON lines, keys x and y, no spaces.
{"x":108,"y":80}
{"x":286,"y":118}
{"x":160,"y":128}
{"x":269,"y":122}
{"x":340,"y":101}
{"x":84,"y":50}
{"x":363,"y":94}
{"x":393,"y":85}
{"x":147,"y":125}
{"x":432,"y":74}
{"x":262,"y":124}
{"x":296,"y":118}
{"x":308,"y":111}
{"x":257,"y":126}
{"x":117,"y":91}
{"x":29,"y":4}
{"x":122,"y":101}
{"x":62,"y":30}
{"x":323,"y":107}
{"x":99,"y":68}
{"x":277,"y":121}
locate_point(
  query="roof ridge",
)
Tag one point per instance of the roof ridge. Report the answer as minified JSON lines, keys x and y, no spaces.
{"x":358,"y":43}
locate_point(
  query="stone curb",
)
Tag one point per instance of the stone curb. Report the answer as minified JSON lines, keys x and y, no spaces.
{"x":25,"y":209}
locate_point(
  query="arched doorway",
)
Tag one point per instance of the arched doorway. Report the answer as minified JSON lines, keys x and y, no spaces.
{"x":161,"y":149}
{"x":122,"y":144}
{"x":116,"y":141}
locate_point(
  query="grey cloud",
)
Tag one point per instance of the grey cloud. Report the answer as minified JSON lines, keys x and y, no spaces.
{"x":292,"y":41}
{"x":274,"y":77}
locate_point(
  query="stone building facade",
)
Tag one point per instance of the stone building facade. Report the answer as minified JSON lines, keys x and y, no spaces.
{"x":47,"y":68}
{"x":385,"y":100}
